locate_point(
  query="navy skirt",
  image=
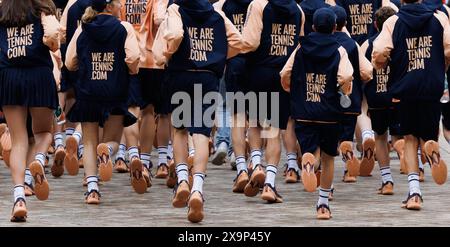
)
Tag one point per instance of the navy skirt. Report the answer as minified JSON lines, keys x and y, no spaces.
{"x":28,"y":87}
{"x":134,"y":94}
{"x":98,"y":112}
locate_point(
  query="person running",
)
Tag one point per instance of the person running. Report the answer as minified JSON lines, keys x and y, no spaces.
{"x":417,"y":81}
{"x":27,"y":85}
{"x":105,"y":53}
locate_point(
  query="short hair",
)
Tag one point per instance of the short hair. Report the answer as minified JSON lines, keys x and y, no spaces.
{"x":382,"y":15}
{"x":410,"y":1}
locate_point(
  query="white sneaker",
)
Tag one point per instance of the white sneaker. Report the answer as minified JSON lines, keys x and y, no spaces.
{"x":219,"y":156}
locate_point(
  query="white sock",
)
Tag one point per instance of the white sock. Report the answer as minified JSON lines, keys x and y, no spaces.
{"x":59,"y":142}
{"x":241,"y":165}
{"x":256,"y":157}
{"x":145,"y":159}
{"x":19,"y":192}
{"x":292,"y":161}
{"x":386,"y":175}
{"x":28,"y":177}
{"x":92,"y":183}
{"x":414,"y":185}
{"x":271,"y":173}
{"x":366,"y":134}
{"x":323,"y":196}
{"x":77,"y":135}
{"x":69,"y":131}
{"x":182,"y":172}
{"x":41,"y":158}
{"x":162,"y":155}
{"x":133,"y":152}
{"x":111,"y":150}
{"x":80,"y":150}
{"x":121,"y":153}
{"x":191,"y":151}
{"x":198,"y":182}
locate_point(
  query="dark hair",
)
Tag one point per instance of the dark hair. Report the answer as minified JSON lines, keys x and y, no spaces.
{"x":340,"y":25}
{"x":382,"y":15}
{"x":16,"y":12}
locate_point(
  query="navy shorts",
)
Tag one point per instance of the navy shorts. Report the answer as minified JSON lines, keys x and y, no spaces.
{"x":348,"y":124}
{"x":154,"y":90}
{"x":384,"y":119}
{"x":183,"y":82}
{"x":134,"y":92}
{"x":312,"y":136}
{"x":446,"y":115}
{"x":236,"y":75}
{"x":267,"y":80}
{"x":420,"y":119}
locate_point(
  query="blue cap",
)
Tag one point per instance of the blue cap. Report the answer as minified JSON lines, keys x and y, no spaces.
{"x":341,"y":16}
{"x":100,"y":5}
{"x":324,"y":20}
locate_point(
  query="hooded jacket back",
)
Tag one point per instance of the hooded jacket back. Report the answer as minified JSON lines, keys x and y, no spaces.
{"x":204,"y":44}
{"x":309,"y":7}
{"x":314,"y":90}
{"x":418,"y":62}
{"x":74,"y":15}
{"x":103,"y":73}
{"x":280,"y":34}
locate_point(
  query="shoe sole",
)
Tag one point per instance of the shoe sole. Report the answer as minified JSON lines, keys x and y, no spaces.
{"x":41,"y":187}
{"x":19,"y":215}
{"x":291,"y":179}
{"x":309,"y":178}
{"x":58,"y":164}
{"x":105,"y":166}
{"x":137,"y":179}
{"x":367,"y":163}
{"x":399,"y":147}
{"x":240,"y":185}
{"x":218,"y":159}
{"x":270,"y":197}
{"x":161,"y":175}
{"x":352,"y":163}
{"x":349,"y":180}
{"x":172,"y":177}
{"x":195,"y":214}
{"x":439,"y":170}
{"x":254,"y":184}
{"x":181,"y":197}
{"x":71,"y":158}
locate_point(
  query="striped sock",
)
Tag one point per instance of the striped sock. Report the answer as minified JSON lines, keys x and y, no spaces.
{"x":111,"y":150}
{"x":77,"y":135}
{"x":256,"y":157}
{"x":199,"y":178}
{"x":92,"y":183}
{"x":28,"y":177}
{"x":191,"y":151}
{"x":182,"y":172}
{"x":170,"y":151}
{"x":292,"y":161}
{"x":271,"y":173}
{"x":145,"y":158}
{"x":41,"y":158}
{"x":414,"y":185}
{"x":419,"y":156}
{"x":386,"y":175}
{"x":323,"y":196}
{"x":366,"y":134}
{"x":241,"y":165}
{"x":133,"y":152}
{"x":19,"y":192}
{"x":122,"y":151}
{"x":80,"y":150}
{"x":69,"y":131}
{"x":58,"y":137}
{"x":162,"y":155}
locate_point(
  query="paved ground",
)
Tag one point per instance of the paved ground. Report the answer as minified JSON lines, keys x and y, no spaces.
{"x":354,"y":205}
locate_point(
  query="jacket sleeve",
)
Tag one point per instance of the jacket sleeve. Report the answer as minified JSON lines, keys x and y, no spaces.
{"x":71,"y":53}
{"x":132,"y":54}
{"x":446,"y":42}
{"x":52,"y":30}
{"x":365,"y":67}
{"x":383,"y":44}
{"x":286,"y":72}
{"x":64,"y":20}
{"x":169,"y":36}
{"x":345,"y":72}
{"x":251,"y":33}
{"x":160,"y":11}
{"x":234,"y":38}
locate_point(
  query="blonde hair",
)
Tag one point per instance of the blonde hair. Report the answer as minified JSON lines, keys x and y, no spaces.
{"x":90,"y":13}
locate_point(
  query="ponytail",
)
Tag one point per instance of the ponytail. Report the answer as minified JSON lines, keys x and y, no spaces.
{"x":89,"y":15}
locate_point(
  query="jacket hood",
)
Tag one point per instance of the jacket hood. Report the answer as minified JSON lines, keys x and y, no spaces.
{"x":285,"y":7}
{"x":102,"y":27}
{"x":196,"y":9}
{"x":319,"y":45}
{"x":433,"y":4}
{"x":415,"y":15}
{"x":310,"y":6}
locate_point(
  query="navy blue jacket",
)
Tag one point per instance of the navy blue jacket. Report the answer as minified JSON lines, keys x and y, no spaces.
{"x":309,"y":7}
